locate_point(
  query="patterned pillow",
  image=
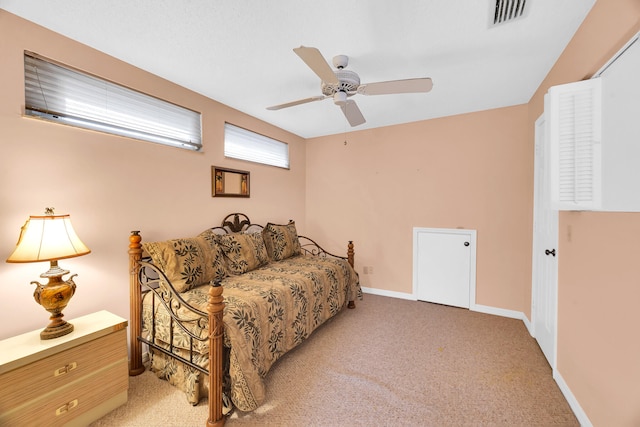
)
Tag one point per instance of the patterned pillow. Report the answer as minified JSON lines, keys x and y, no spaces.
{"x":281,"y":241}
{"x":244,"y":251}
{"x":219,"y":265}
{"x":187,"y":263}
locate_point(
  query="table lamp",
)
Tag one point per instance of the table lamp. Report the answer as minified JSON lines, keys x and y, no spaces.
{"x":49,"y":238}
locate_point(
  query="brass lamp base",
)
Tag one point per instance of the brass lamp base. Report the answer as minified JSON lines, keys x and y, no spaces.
{"x":56,"y":331}
{"x":54,"y":297}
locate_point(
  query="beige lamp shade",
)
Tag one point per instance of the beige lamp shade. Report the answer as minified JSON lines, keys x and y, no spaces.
{"x":47,"y":238}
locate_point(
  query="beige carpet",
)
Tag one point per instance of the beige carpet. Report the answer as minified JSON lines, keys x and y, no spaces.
{"x":389,"y":362}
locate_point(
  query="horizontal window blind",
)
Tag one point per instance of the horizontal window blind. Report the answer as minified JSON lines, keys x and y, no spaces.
{"x":64,"y":95}
{"x":244,"y":144}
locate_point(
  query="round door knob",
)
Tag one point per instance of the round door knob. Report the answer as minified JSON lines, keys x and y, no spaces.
{"x":466,"y":243}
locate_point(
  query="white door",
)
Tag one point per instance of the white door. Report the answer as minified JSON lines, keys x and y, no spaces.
{"x":545,"y":257}
{"x":444,"y":266}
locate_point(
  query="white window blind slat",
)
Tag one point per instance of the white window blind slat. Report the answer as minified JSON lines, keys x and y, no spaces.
{"x":246,"y":145}
{"x":60,"y":94}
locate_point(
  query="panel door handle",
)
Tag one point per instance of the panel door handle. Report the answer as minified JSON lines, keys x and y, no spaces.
{"x":550,"y":252}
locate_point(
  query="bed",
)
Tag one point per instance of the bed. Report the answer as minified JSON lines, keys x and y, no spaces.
{"x":217,"y":310}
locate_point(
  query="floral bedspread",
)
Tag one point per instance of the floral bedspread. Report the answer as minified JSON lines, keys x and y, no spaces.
{"x":268,"y":311}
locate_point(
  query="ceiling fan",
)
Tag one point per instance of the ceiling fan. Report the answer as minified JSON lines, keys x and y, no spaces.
{"x":341,"y":84}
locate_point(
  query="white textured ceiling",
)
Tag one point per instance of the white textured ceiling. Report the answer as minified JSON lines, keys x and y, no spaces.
{"x":239,"y":52}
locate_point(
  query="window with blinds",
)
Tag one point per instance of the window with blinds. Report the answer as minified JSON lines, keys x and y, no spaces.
{"x":246,"y":145}
{"x":64,"y":95}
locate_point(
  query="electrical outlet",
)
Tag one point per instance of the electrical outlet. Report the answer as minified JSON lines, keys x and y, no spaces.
{"x":370,"y":270}
{"x":365,"y":270}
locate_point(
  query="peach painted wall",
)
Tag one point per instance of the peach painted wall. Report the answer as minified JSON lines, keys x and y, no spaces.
{"x":93,"y":177}
{"x":599,"y":273}
{"x":473,"y":171}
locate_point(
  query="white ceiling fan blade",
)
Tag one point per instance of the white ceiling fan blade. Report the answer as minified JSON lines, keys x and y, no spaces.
{"x":352,"y":113}
{"x":396,"y":86}
{"x":298,"y":102}
{"x":314,"y":60}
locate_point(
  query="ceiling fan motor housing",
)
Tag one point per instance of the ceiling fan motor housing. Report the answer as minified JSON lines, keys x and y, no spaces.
{"x":348,"y":82}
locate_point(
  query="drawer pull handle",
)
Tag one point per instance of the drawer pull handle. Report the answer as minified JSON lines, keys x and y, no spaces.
{"x":65,"y":369}
{"x":67,"y":407}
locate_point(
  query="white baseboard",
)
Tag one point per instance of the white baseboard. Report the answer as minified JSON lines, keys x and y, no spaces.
{"x":505,"y":313}
{"x":474,"y":307}
{"x":497,"y":311}
{"x":513,"y":314}
{"x":571,"y":399}
{"x":527,"y":324}
{"x":392,"y":294}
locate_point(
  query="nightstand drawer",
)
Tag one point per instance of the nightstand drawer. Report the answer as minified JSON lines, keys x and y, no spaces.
{"x":40,"y":377}
{"x":70,"y":402}
{"x":71,"y":380}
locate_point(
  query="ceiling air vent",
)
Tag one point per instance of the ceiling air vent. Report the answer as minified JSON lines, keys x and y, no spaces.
{"x":507,"y":11}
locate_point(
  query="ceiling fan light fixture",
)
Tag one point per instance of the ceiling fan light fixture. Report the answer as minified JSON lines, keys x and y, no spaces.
{"x":340,"y":98}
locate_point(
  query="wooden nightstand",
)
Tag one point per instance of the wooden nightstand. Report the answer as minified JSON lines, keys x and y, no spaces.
{"x":71,"y":380}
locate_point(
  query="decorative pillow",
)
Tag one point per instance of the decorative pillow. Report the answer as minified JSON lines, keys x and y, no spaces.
{"x":187,"y":263}
{"x":281,"y":241}
{"x":244,"y":251}
{"x":218,"y":263}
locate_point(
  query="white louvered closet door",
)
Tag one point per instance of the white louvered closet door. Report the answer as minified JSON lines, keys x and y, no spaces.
{"x":575,"y":135}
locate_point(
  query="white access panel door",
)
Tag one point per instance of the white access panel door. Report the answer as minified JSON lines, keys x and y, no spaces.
{"x":444,"y":266}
